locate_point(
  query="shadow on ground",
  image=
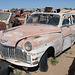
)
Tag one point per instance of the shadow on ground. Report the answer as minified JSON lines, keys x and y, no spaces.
{"x":29,"y":69}
{"x":71,"y":70}
{"x":33,"y":69}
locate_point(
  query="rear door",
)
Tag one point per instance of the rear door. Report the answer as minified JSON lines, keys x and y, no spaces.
{"x":66,"y":35}
{"x":72,"y":28}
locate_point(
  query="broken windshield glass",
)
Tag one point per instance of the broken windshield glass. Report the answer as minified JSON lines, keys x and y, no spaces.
{"x":50,"y":19}
{"x":4,"y":16}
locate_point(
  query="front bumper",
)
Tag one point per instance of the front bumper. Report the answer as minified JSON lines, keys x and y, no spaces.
{"x":20,"y":63}
{"x":16,"y":56}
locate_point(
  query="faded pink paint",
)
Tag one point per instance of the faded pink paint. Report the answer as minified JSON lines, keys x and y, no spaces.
{"x":42,"y":37}
{"x":28,"y":30}
{"x":68,"y":11}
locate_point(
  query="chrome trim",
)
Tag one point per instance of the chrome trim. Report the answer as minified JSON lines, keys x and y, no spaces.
{"x":21,"y":61}
{"x":14,"y":53}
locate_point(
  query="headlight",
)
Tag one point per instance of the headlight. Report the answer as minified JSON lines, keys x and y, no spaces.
{"x":28,"y":46}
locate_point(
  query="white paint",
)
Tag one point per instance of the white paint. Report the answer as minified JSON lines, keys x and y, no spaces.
{"x":7,"y":34}
{"x":18,"y":33}
{"x":41,"y":38}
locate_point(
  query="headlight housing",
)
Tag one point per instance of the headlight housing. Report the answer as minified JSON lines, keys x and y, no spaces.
{"x":28,"y":46}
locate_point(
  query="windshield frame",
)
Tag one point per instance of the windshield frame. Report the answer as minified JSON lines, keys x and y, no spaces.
{"x":54,"y":14}
{"x":6,"y":20}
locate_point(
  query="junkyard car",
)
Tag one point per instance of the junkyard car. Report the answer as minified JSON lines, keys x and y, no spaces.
{"x":7,"y":21}
{"x":44,"y":34}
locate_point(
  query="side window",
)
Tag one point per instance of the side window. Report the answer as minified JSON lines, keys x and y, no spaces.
{"x":66,"y":20}
{"x":73,"y":16}
{"x":54,"y":20}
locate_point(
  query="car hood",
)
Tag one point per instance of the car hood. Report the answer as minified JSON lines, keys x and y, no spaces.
{"x":11,"y":36}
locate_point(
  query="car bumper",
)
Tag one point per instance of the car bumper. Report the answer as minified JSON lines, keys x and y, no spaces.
{"x":20,"y":63}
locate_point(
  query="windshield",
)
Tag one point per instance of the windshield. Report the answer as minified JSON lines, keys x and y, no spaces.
{"x":4,"y":16}
{"x":50,"y":19}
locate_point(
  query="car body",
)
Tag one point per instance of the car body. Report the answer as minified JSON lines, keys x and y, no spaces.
{"x":43,"y":33}
{"x":8,"y":21}
{"x":4,"y":18}
{"x":19,"y":13}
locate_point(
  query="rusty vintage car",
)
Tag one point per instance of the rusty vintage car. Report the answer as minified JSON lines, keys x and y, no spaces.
{"x":7,"y":21}
{"x":43,"y":35}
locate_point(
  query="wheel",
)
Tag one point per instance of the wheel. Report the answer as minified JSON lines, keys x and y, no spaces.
{"x":11,"y":73}
{"x":3,"y":68}
{"x":43,"y":66}
{"x":10,"y":70}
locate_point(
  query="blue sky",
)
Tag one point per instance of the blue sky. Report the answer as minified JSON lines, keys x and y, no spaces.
{"x":8,"y":4}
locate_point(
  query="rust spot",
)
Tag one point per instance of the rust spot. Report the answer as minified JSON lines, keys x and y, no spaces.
{"x":25,"y":68}
{"x":35,"y":59}
{"x":2,"y":26}
{"x":17,"y":61}
{"x":45,"y":44}
{"x":25,"y":38}
{"x":36,"y":37}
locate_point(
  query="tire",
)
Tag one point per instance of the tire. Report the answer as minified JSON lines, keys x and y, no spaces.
{"x":11,"y":73}
{"x":43,"y":66}
{"x":3,"y":68}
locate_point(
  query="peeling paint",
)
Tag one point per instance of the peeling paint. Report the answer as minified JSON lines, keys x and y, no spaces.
{"x":41,"y":37}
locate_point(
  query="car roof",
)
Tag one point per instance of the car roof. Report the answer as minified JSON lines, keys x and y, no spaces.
{"x":5,"y":12}
{"x":52,"y":13}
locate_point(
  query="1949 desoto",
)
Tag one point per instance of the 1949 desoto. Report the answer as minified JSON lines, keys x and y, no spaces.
{"x":44,"y":34}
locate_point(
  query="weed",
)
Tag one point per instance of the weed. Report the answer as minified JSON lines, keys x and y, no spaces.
{"x":15,"y":69}
{"x":27,"y":73}
{"x":18,"y":73}
{"x":71,"y":52}
{"x":66,"y":52}
{"x":54,"y":61}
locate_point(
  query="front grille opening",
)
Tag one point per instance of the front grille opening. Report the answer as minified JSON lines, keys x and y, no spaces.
{"x":12,"y":52}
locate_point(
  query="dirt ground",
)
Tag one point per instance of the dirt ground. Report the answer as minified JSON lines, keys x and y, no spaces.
{"x":65,"y":66}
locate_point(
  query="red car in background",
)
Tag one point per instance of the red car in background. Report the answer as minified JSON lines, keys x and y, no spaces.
{"x":20,"y":13}
{"x":8,"y":21}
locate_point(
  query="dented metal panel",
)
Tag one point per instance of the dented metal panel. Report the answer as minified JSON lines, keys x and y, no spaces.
{"x":38,"y":35}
